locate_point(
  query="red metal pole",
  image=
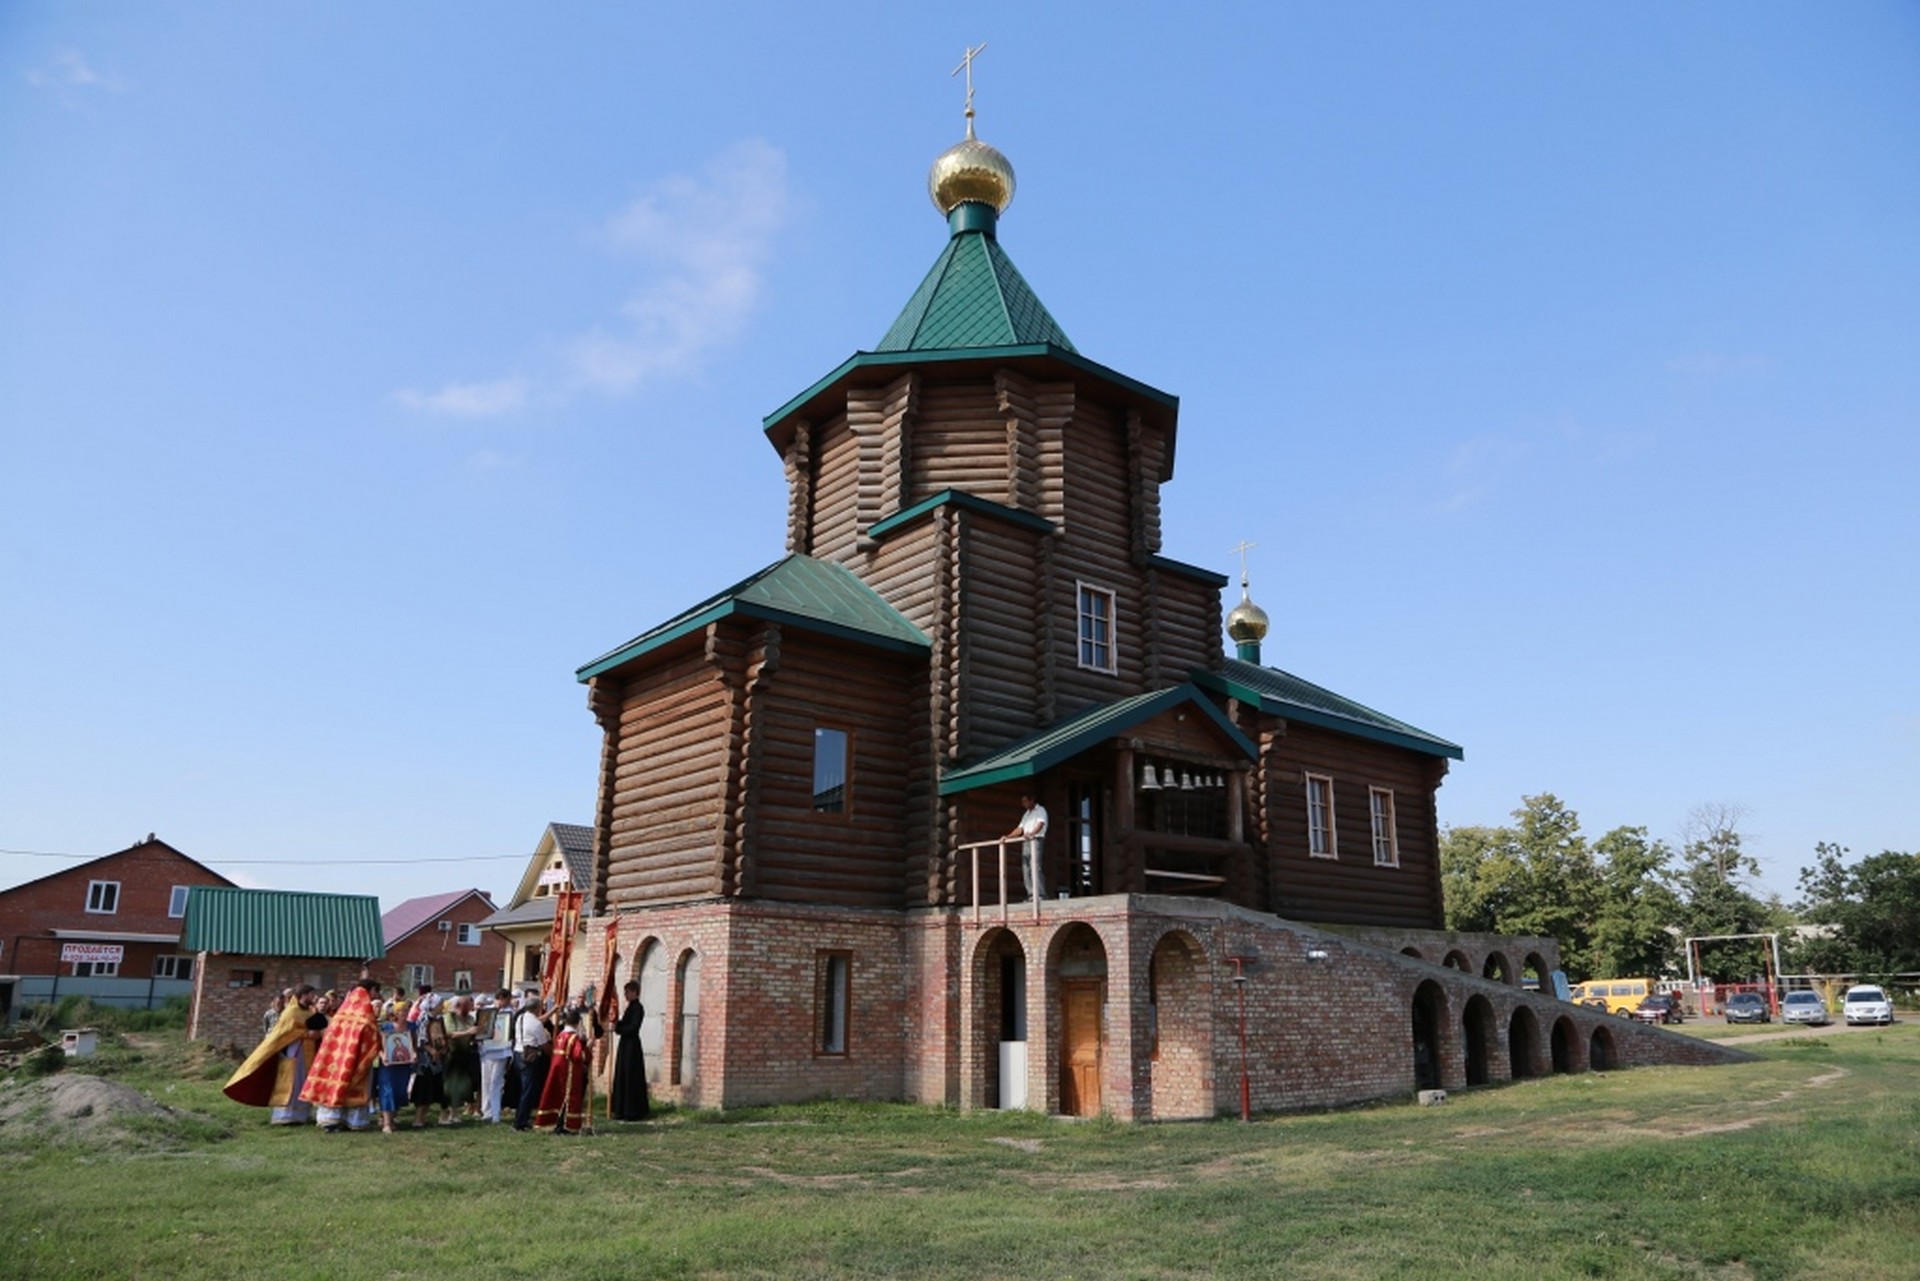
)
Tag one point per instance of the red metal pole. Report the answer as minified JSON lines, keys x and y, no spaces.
{"x":1246,"y":1086}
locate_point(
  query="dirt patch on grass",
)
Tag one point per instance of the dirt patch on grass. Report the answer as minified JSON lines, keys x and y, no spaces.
{"x":76,"y":1108}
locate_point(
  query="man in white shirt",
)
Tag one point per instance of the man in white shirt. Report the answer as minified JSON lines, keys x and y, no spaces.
{"x":1032,"y":832}
{"x":530,"y":1040}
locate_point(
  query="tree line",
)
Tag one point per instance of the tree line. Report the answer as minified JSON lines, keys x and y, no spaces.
{"x":1622,"y":904}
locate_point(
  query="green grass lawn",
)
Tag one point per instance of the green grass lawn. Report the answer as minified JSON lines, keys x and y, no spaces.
{"x":1805,"y":1163}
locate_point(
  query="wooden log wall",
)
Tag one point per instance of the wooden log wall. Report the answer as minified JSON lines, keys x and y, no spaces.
{"x":835,"y":485}
{"x":858,"y":856}
{"x":1097,"y":548}
{"x":605,"y":697}
{"x":662,"y":824}
{"x":960,"y":442}
{"x":1350,"y":889}
{"x":883,"y":421}
{"x":999,"y":599}
{"x":1189,"y":625}
{"x":798,"y":461}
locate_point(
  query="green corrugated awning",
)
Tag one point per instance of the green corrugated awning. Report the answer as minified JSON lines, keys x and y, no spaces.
{"x":1286,"y":695}
{"x":815,"y":595}
{"x":1067,"y":739}
{"x":283,"y":923}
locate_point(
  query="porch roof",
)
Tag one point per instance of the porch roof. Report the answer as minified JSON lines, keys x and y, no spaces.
{"x":1283,"y":694}
{"x":1067,"y":739}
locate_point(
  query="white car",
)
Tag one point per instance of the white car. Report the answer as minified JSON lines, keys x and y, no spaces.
{"x":1866,"y":1003}
{"x":1803,"y":1007}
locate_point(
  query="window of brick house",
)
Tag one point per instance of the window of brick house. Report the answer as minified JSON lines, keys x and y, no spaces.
{"x":246,"y":978}
{"x":96,"y":969}
{"x":1322,"y":840}
{"x":1386,"y":845}
{"x":177,"y":901}
{"x":173,"y":967}
{"x":469,"y":935}
{"x":103,"y":897}
{"x":833,"y":990}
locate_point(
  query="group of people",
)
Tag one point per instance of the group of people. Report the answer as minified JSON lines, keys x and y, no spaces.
{"x":340,"y":1061}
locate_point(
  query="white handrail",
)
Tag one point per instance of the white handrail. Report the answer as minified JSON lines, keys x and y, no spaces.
{"x":999,"y":846}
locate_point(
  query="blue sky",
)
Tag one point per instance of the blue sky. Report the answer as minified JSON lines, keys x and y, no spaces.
{"x":365,"y":369}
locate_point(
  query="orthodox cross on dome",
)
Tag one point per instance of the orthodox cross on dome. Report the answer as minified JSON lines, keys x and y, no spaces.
{"x":1242,"y":551}
{"x":966,"y":65}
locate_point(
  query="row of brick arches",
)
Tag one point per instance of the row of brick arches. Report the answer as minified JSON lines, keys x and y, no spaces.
{"x":1480,"y":1047}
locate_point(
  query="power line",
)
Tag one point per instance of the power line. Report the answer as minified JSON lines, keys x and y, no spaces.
{"x":271,"y":862}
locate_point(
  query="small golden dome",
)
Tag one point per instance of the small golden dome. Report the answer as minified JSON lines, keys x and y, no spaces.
{"x":971,"y":170}
{"x":1246,"y":621}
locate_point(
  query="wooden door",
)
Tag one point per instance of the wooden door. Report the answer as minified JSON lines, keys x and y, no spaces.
{"x":1080,"y":1048}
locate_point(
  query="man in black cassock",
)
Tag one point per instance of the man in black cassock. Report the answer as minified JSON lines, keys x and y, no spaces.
{"x":627,"y":1100}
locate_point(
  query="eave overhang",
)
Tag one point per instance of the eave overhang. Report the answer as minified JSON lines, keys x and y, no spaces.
{"x":1361,"y":722}
{"x":1040,"y":752}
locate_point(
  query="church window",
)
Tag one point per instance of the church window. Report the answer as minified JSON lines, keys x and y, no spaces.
{"x":1386,"y":847}
{"x":103,"y":897}
{"x":833,"y":990}
{"x":1096,"y":628}
{"x":1321,"y":838}
{"x":830,"y":770}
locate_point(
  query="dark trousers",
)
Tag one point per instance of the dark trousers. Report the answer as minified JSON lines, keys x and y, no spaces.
{"x":533,"y":1075}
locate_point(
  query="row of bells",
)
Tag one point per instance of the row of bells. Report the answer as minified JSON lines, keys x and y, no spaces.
{"x":1167,"y":777}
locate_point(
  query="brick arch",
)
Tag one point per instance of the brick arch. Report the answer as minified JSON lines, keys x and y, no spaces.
{"x":998,"y":1013}
{"x":1523,"y":1043}
{"x":1602,"y":1054}
{"x":1537,"y":966}
{"x":1414,"y":952}
{"x":1179,"y":1030}
{"x":1566,"y":1046}
{"x":1499,"y":968}
{"x":683,"y":1032}
{"x":650,"y":970}
{"x":1457,"y":960}
{"x":1431,"y":1035}
{"x":1480,"y":1037}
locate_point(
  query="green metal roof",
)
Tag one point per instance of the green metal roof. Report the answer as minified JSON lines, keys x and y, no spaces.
{"x":283,"y":923}
{"x":960,"y":498}
{"x":1067,"y":739}
{"x":973,"y":297}
{"x":1286,"y":695}
{"x":817,"y":595}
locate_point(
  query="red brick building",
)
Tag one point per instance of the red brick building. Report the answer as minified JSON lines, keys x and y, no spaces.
{"x":108,"y":929}
{"x":439,"y":939}
{"x":250,"y":945}
{"x":805,"y":779}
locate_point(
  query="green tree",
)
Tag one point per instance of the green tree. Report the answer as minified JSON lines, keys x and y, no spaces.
{"x":1714,"y":869}
{"x":1872,"y":909}
{"x":1635,"y":925}
{"x":1535,"y":877}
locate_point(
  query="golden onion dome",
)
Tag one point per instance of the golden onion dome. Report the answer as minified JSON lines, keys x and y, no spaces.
{"x":1246,"y":621}
{"x":971,"y":170}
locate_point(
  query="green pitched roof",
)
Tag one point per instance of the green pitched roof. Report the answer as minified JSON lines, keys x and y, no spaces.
{"x":1286,"y":695}
{"x":973,"y":297}
{"x":283,"y":923}
{"x":816,"y":595}
{"x":1067,"y":739}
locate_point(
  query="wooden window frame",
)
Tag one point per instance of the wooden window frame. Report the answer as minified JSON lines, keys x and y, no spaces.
{"x":1082,"y":642}
{"x":1332,"y":849}
{"x":830,"y":1000}
{"x":103,"y":891}
{"x":845,"y":809}
{"x":1386,"y":838}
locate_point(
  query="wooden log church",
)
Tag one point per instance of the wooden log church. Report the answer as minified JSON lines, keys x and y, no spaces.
{"x":805,"y":778}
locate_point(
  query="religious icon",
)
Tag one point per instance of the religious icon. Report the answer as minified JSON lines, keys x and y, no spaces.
{"x":397,"y":1047}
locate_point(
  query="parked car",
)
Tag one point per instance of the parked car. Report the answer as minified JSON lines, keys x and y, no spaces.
{"x":1747,"y":1007}
{"x":1804,"y":1007}
{"x":1659,"y":1008}
{"x":1865,"y":1003}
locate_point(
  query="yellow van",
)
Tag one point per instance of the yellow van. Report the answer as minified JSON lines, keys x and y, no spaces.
{"x":1618,"y":996}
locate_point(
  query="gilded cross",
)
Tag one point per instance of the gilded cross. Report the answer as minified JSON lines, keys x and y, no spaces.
{"x":966,"y":65}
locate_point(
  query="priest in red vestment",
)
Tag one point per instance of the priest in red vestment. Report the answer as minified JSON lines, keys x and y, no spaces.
{"x":339,"y":1084}
{"x":563,"y":1100}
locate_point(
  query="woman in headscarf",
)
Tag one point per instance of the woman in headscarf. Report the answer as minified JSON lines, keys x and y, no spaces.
{"x":340,"y":1083}
{"x":276,"y":1070}
{"x":395,"y":1071}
